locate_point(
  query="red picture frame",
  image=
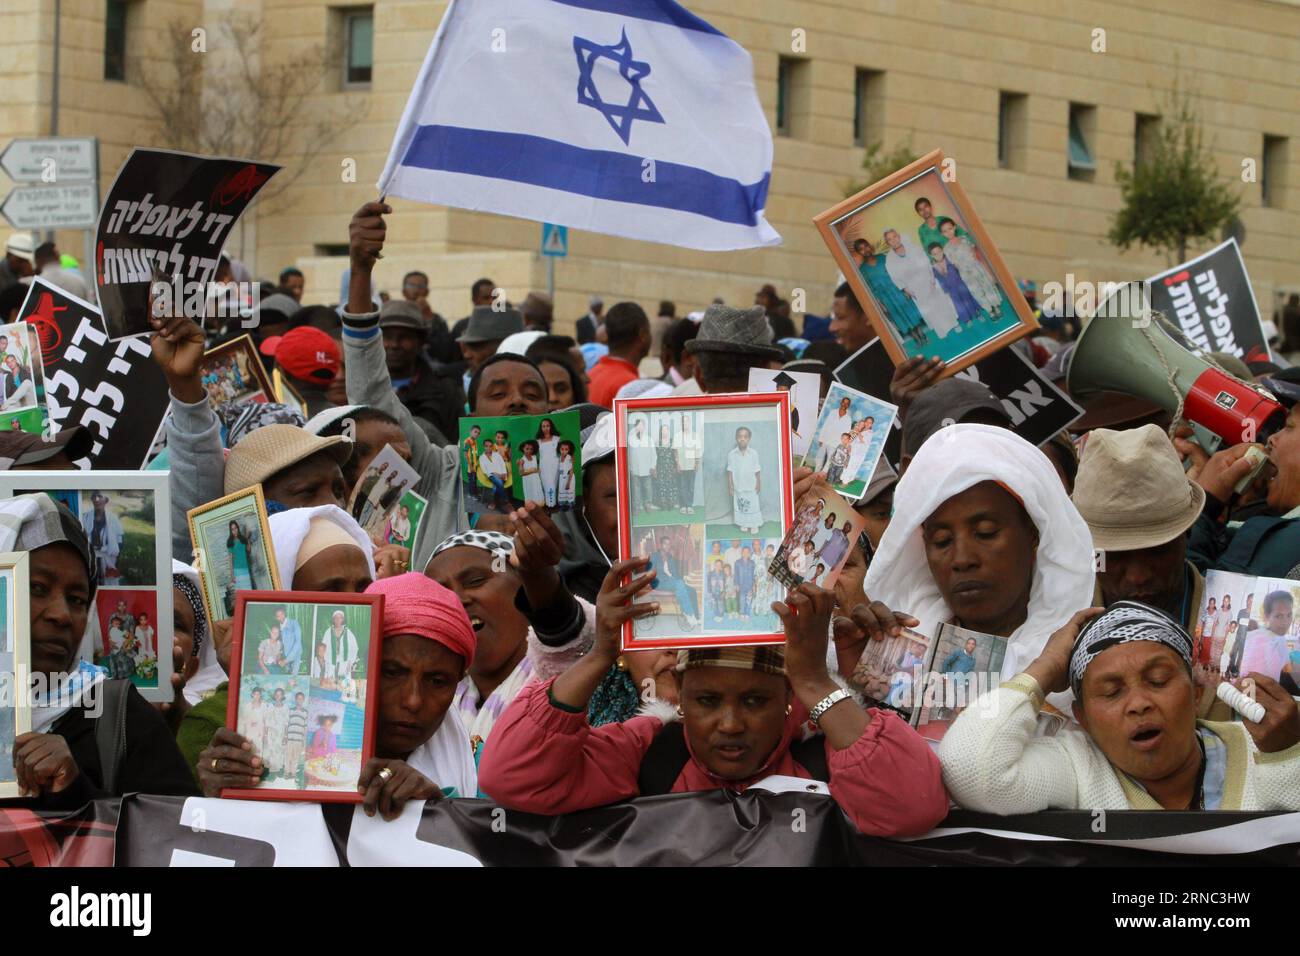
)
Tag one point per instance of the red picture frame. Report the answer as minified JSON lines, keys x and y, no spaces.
{"x":245,"y":598}
{"x":778,"y":403}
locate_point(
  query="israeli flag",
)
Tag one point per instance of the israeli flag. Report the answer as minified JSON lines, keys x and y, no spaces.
{"x":633,"y":118}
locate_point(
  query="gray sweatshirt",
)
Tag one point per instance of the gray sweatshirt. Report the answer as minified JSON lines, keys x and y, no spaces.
{"x":198,"y":467}
{"x":438,"y":466}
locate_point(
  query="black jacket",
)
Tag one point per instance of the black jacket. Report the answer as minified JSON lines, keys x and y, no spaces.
{"x":152,"y":763}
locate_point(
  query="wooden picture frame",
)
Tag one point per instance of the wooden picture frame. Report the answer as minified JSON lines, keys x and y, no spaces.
{"x":714,"y":425}
{"x":914,"y":303}
{"x":263,"y":574}
{"x":15,"y":662}
{"x":131,"y":585}
{"x":252,"y":361}
{"x":324,"y":695}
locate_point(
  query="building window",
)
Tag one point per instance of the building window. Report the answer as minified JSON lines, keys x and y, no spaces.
{"x":868,"y":107}
{"x":1083,"y":129}
{"x":1146,"y":130}
{"x":115,"y":40}
{"x":1013,"y":120}
{"x":1272,"y":172}
{"x":793,"y":97}
{"x":330,"y":249}
{"x":358,"y":46}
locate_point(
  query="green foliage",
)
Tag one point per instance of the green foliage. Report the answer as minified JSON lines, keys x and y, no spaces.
{"x":878,"y":164}
{"x":1174,"y":195}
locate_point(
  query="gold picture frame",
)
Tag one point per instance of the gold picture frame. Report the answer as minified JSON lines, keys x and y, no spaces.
{"x":219,"y":578}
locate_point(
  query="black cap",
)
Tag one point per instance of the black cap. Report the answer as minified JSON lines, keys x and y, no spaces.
{"x":1285,"y":386}
{"x":950,"y":401}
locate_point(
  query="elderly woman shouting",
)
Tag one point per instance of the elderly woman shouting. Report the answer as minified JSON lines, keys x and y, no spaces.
{"x":1142,"y":749}
{"x":983,"y":536}
{"x":742,"y":711}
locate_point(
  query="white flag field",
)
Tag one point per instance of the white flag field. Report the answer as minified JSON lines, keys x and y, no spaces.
{"x":632,"y":118}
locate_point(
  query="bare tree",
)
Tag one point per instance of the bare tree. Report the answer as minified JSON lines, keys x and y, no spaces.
{"x":222,"y":95}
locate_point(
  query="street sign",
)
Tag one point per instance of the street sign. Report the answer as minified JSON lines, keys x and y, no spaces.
{"x":55,"y":159}
{"x":52,"y":207}
{"x":555,"y":240}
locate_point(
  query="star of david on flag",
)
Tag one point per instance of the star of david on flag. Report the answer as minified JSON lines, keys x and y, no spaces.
{"x":633,"y":71}
{"x":664,"y":141}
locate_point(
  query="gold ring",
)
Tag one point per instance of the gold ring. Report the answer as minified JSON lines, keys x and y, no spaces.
{"x":385,"y":775}
{"x":214,"y":764}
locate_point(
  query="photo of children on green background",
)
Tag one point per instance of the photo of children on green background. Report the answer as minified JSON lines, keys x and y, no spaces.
{"x":506,"y":461}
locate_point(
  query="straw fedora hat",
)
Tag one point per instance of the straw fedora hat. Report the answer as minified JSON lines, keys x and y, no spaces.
{"x":1132,"y":491}
{"x":273,"y":448}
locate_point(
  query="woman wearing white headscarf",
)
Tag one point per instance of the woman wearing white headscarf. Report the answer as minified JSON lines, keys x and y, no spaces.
{"x":909,"y":267}
{"x":984,"y":536}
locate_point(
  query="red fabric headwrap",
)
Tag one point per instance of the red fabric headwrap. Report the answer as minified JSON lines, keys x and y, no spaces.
{"x":414,"y":604}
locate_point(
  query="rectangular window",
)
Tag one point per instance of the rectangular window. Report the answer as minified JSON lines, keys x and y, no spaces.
{"x":1146,"y":130}
{"x":330,"y":249}
{"x":868,"y":107}
{"x":1272,"y":172}
{"x":1083,"y":130}
{"x":1013,"y":120}
{"x":358,"y":46}
{"x":793,"y":97}
{"x":115,"y":40}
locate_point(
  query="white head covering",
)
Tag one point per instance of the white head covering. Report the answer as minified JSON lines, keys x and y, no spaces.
{"x":318,"y":422}
{"x":289,"y":530}
{"x":209,"y":674}
{"x":446,"y":758}
{"x":517,"y":342}
{"x":960,"y":457}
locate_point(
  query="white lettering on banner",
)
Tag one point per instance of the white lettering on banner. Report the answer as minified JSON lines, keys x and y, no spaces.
{"x":74,"y":909}
{"x":95,"y":419}
{"x":1220,"y":321}
{"x":1215,"y":304}
{"x":295,"y":831}
{"x":374,"y":841}
{"x":1022,"y":403}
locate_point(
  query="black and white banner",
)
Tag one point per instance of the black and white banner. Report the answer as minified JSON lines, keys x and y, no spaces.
{"x":716,"y":828}
{"x":1212,"y":301}
{"x":115,"y":390}
{"x":1036,"y":407}
{"x":168,"y":215}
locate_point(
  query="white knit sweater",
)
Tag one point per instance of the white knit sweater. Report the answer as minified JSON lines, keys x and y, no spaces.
{"x":992,"y":762}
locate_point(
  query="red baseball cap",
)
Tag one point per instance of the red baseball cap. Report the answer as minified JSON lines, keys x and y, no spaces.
{"x":306,"y":353}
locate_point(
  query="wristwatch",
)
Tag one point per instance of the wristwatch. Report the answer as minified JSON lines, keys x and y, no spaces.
{"x":826,"y":703}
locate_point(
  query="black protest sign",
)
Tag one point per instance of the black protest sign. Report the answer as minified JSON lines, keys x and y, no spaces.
{"x":168,"y":216}
{"x":1036,"y":407}
{"x":1212,"y":300}
{"x":114,"y":390}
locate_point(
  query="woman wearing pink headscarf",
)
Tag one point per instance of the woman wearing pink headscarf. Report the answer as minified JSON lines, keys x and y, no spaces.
{"x":422,"y":750}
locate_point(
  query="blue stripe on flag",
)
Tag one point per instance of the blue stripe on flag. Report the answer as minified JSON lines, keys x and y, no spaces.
{"x":600,"y":174}
{"x":661,"y":11}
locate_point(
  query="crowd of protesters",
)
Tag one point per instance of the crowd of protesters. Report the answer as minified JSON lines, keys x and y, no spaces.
{"x":501,"y":671}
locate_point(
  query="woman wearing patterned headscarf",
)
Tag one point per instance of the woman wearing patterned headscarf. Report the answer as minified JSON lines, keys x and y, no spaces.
{"x":742,"y":715}
{"x":509,"y":598}
{"x":1130,"y":668}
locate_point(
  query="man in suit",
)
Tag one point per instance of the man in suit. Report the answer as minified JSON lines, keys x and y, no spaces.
{"x":589,"y":324}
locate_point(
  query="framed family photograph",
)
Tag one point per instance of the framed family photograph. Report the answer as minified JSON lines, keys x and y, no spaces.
{"x":127,"y":518}
{"x":233,"y":372}
{"x":507,"y":461}
{"x":302,"y":690}
{"x":232,"y":550}
{"x":15,"y":663}
{"x":704,"y":493}
{"x":849,"y":439}
{"x":923,"y":267}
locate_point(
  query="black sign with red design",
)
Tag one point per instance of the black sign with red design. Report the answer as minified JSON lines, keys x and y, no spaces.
{"x":167,"y":217}
{"x":114,"y":390}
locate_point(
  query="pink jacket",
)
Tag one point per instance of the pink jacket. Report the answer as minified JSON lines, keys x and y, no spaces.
{"x":546,"y":760}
